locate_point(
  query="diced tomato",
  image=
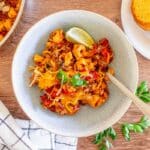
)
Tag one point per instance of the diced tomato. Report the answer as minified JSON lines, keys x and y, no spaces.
{"x":106,"y":55}
{"x":53,"y":108}
{"x":88,"y":78}
{"x":94,"y":51}
{"x":43,"y":97}
{"x":45,"y":101}
{"x":53,"y":91}
{"x":104,"y":42}
{"x":48,"y":90}
{"x":53,"y":94}
{"x":104,"y":52}
{"x":95,"y":74}
{"x":65,"y":91}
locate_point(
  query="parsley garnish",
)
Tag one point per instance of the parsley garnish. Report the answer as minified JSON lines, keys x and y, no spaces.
{"x":138,"y":127}
{"x":102,"y":139}
{"x":77,"y":81}
{"x":61,"y":75}
{"x":143,"y":92}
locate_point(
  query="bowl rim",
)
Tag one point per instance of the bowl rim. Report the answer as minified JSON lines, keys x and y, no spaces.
{"x":14,"y":24}
{"x":109,"y":122}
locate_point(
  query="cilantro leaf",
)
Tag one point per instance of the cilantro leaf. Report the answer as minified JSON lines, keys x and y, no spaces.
{"x":98,"y":138}
{"x":108,"y":144}
{"x":138,"y":127}
{"x":112,"y":133}
{"x":126,"y":132}
{"x":142,"y":88}
{"x":145,"y":97}
{"x":61,"y":75}
{"x":144,"y":122}
{"x":103,"y":147}
{"x":143,"y":92}
{"x":102,"y":139}
{"x":77,"y":81}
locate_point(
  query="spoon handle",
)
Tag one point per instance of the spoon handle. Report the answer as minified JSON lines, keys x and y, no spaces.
{"x":139,"y":103}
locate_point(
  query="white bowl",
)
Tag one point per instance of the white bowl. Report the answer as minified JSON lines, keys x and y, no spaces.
{"x":14,"y":24}
{"x":87,"y":121}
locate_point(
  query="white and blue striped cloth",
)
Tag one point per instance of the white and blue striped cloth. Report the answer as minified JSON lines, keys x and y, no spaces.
{"x":16,"y":134}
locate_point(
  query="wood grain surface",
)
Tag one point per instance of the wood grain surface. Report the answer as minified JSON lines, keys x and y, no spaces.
{"x":35,"y":10}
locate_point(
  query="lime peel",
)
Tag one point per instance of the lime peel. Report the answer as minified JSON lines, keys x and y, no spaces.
{"x":78,"y":35}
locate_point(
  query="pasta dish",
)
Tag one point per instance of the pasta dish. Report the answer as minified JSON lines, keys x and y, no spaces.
{"x":70,"y":74}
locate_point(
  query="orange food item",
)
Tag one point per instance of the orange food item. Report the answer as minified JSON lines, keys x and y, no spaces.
{"x":8,"y":14}
{"x":71,"y":75}
{"x":141,"y":13}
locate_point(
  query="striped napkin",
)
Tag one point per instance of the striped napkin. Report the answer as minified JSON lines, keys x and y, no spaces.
{"x":16,"y":134}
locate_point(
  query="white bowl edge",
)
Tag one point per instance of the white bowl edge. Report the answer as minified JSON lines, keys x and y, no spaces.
{"x":92,"y":131}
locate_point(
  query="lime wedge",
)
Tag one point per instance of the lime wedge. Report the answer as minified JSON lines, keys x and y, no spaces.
{"x":78,"y":35}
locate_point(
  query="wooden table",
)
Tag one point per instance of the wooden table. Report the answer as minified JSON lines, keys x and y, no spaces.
{"x":34,"y":11}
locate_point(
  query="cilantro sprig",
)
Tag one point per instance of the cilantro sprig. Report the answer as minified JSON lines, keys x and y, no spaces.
{"x":61,"y":75}
{"x":76,"y":80}
{"x":138,"y":127}
{"x":103,"y":139}
{"x":143,"y":92}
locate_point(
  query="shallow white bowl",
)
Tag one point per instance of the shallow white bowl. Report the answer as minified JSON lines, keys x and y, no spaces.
{"x":87,"y":121}
{"x":14,"y":24}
